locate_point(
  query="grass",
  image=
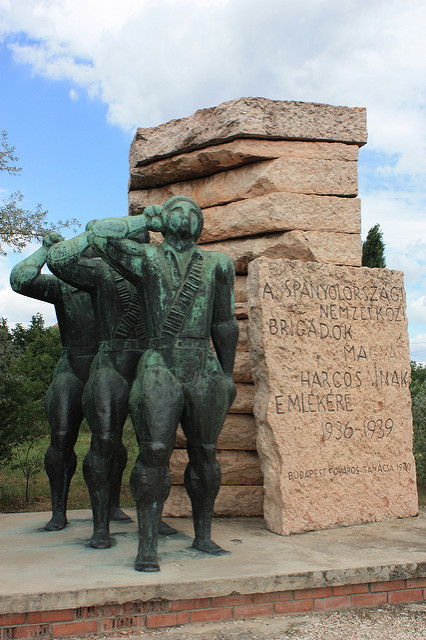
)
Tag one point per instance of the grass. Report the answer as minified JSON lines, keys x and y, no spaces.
{"x":12,"y":481}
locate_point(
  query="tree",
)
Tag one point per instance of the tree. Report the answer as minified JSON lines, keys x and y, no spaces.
{"x":419,"y":433}
{"x":29,"y":462}
{"x":27,"y":361}
{"x":373,"y":249}
{"x":41,"y":349}
{"x":418,"y":399}
{"x":418,"y":377}
{"x":10,"y":386}
{"x":19,"y":227}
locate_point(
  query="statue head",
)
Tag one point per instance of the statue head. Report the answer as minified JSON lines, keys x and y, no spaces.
{"x":91,"y":224}
{"x":182,"y":217}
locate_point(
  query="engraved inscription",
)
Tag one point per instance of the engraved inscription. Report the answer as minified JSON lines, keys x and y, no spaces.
{"x":348,"y":470}
{"x":379,"y":428}
{"x":313,"y":402}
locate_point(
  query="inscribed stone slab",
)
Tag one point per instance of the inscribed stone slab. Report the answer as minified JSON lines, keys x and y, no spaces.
{"x":250,"y":118}
{"x":332,"y":370}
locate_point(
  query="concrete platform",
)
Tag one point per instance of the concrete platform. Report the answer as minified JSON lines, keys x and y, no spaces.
{"x":45,"y":571}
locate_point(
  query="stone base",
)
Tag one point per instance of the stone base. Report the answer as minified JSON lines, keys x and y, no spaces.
{"x":55,"y":585}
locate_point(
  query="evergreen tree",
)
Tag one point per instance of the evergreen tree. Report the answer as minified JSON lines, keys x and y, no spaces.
{"x":373,"y":249}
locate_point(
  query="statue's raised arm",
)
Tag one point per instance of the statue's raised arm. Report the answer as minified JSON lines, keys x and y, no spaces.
{"x":26,"y":277}
{"x":67,"y":261}
{"x":113,"y":239}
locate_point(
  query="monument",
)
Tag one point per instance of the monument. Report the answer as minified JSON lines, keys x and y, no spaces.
{"x":331,"y":363}
{"x":275,"y":179}
{"x":277,"y":184}
{"x":186,"y":298}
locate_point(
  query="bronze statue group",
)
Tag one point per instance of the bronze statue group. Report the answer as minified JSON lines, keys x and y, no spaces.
{"x":136,"y":323}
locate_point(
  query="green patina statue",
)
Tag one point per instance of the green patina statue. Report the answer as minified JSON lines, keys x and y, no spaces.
{"x":186,"y":298}
{"x":64,"y":410}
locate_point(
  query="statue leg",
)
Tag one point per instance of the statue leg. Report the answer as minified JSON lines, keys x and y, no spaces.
{"x":118,"y":466}
{"x":105,"y":402}
{"x":156,"y":402}
{"x":210,"y":397}
{"x":64,"y":413}
{"x":166,"y":530}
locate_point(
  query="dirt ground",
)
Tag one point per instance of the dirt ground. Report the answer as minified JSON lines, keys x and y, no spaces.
{"x":399,"y":622}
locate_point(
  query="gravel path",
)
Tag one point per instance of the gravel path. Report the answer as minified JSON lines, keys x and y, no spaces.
{"x":401,"y":622}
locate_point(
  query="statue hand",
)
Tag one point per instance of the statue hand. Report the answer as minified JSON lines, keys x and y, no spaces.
{"x":153,"y":217}
{"x":51,"y":239}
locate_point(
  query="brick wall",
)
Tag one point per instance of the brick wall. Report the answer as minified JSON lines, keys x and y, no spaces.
{"x":168,"y":613}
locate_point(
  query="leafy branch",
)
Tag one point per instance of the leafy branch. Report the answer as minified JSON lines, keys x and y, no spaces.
{"x":18,"y":226}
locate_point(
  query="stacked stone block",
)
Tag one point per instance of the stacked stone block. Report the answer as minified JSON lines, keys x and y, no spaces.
{"x":275,"y":179}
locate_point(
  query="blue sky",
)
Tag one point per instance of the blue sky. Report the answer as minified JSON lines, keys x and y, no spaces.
{"x":78,"y":76}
